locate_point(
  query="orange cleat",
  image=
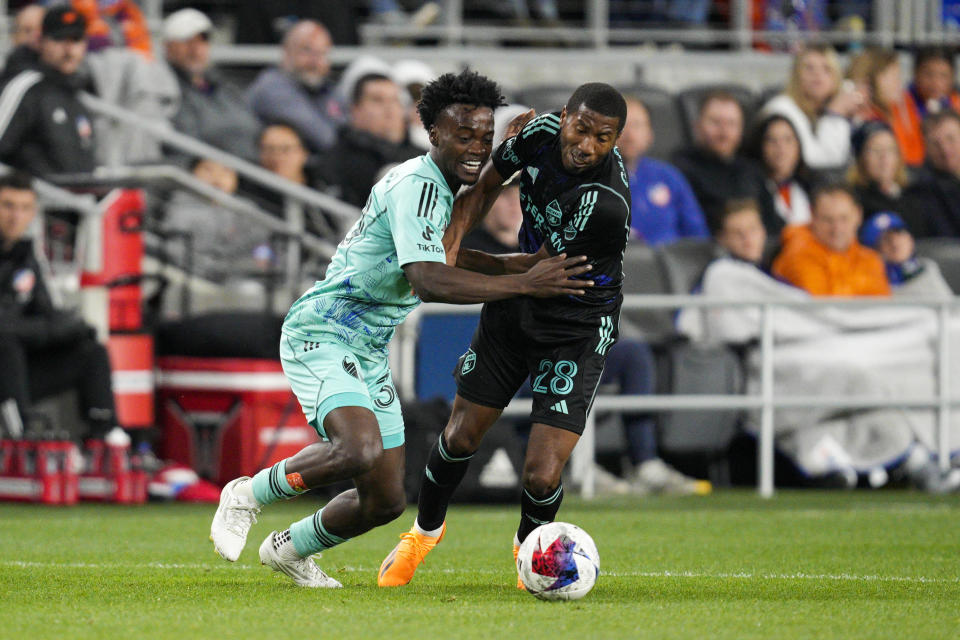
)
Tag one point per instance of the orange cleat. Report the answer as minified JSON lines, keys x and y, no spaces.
{"x":400,"y":564}
{"x":516,"y":550}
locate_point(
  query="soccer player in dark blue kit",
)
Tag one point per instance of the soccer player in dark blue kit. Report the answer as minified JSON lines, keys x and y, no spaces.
{"x":576,"y":200}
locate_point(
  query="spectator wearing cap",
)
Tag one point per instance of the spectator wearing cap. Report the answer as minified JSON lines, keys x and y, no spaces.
{"x":211,"y":109}
{"x":938,"y":192}
{"x":888,"y":235}
{"x":300,"y":92}
{"x":45,"y":128}
{"x":375,"y":138}
{"x":879,"y":176}
{"x":824,"y":258}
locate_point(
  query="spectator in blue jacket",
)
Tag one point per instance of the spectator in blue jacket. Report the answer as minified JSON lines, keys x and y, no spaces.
{"x":300,"y":92}
{"x":664,"y":207}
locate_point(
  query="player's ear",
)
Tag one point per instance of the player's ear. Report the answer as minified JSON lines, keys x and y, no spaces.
{"x":433,"y":135}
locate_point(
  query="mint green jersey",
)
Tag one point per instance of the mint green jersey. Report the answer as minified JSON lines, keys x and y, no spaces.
{"x":365,"y":293}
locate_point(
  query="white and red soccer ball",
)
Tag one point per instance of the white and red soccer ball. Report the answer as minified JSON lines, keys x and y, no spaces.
{"x":558,"y":561}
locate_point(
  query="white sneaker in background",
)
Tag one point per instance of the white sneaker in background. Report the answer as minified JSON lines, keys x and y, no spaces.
{"x":656,"y":476}
{"x":605,"y":483}
{"x":232,"y":521}
{"x":278,"y":553}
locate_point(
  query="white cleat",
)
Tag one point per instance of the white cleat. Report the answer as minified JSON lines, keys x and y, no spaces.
{"x":232,"y":521}
{"x":303,"y":571}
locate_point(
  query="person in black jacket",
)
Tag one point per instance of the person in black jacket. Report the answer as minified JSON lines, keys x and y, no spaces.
{"x":715,"y":168}
{"x":27,"y":30}
{"x":375,"y":138}
{"x":43,"y":351}
{"x":44,"y":128}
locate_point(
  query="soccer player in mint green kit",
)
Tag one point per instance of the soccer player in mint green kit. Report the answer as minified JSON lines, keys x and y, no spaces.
{"x":334,"y":343}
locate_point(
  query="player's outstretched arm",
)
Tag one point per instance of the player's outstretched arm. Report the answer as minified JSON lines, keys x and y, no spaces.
{"x":497,"y":265}
{"x":438,"y":282}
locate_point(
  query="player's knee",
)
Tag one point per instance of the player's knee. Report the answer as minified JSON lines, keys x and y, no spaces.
{"x":540,"y":482}
{"x":388,"y":511}
{"x":361,"y":455}
{"x":461,"y":440}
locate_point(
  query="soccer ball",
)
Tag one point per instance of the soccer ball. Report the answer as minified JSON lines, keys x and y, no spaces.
{"x":558,"y":561}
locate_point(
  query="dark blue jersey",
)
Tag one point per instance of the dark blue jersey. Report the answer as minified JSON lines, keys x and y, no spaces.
{"x":574,"y":213}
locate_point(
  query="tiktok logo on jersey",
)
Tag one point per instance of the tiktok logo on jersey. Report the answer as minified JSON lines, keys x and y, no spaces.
{"x":427,"y":234}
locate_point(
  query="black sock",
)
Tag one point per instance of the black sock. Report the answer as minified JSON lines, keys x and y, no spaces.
{"x":537,"y":511}
{"x":441,"y":477}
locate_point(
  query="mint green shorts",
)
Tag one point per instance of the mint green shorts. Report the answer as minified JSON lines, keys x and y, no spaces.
{"x":328,"y":375}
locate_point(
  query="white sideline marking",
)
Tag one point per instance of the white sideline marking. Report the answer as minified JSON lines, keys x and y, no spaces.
{"x":838,"y":577}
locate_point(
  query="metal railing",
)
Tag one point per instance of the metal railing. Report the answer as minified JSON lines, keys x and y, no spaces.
{"x":147,"y":176}
{"x":905,"y":22}
{"x":765,"y":401}
{"x":295,"y":194}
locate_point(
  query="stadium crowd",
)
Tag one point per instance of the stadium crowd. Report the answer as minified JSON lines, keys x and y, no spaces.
{"x":825,"y":185}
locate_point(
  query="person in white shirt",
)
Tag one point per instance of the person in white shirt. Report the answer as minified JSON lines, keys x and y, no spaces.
{"x":819,"y":106}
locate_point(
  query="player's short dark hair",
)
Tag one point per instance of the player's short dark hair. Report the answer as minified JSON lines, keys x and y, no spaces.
{"x":832,"y":189}
{"x":466,"y":87}
{"x":16,"y":180}
{"x":718,"y":95}
{"x":933,"y":52}
{"x":602,"y":98}
{"x":361,"y":84}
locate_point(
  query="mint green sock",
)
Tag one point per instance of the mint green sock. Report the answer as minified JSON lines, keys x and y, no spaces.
{"x":309,"y":535}
{"x":270,"y":485}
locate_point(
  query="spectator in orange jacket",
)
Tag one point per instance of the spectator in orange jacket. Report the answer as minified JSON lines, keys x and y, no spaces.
{"x":894,"y":105}
{"x":115,"y":23}
{"x":824,"y":257}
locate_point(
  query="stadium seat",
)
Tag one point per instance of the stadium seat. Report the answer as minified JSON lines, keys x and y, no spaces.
{"x":544,"y":98}
{"x":670,"y":131}
{"x":684,"y":262}
{"x":691,"y":98}
{"x":765,"y":95}
{"x":698,"y":369}
{"x":946,"y":253}
{"x":643,"y":274}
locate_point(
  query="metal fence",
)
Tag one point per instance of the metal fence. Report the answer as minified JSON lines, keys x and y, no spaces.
{"x":766,"y":402}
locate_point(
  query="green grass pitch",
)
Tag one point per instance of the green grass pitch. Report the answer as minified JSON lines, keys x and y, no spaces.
{"x":803,"y":565}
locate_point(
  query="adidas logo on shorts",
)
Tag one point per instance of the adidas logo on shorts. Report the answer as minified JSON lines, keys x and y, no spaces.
{"x":350,"y":368}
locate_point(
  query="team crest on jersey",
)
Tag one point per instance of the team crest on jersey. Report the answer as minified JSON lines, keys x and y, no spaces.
{"x":469,"y":362}
{"x":554,"y":214}
{"x":84,"y":128}
{"x":533,"y":172}
{"x":659,"y":194}
{"x":569,"y":231}
{"x":23,"y":282}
